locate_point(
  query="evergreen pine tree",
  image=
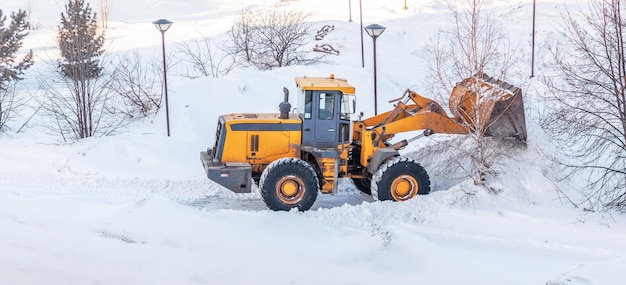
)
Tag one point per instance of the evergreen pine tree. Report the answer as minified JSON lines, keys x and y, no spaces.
{"x":81,"y":44}
{"x":11,"y":37}
{"x":80,"y":41}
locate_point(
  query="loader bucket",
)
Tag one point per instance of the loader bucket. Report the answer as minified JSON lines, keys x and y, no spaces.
{"x":491,"y":105}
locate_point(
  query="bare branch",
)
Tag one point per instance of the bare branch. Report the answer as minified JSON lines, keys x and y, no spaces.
{"x":272,"y":39}
{"x":205,"y":58}
{"x":588,"y":114}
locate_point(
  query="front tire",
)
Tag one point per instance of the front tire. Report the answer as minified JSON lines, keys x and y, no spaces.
{"x":400,"y":179}
{"x":289,"y":183}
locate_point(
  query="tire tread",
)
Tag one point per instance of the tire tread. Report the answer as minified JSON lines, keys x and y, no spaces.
{"x":271,"y":203}
{"x":382,"y":170}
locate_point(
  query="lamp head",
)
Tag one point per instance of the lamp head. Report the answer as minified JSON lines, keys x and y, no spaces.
{"x":374,"y":30}
{"x":162,"y":25}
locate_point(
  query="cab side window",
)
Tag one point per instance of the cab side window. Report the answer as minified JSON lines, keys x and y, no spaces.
{"x":308,"y":104}
{"x":326,"y":106}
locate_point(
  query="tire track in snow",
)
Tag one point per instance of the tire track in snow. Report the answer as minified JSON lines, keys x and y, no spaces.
{"x":197,"y":192}
{"x":180,"y":190}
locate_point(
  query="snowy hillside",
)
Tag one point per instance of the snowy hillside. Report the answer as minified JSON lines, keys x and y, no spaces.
{"x":137,"y":208}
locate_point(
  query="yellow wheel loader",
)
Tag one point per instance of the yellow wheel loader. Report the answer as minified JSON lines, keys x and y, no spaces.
{"x":293,"y":155}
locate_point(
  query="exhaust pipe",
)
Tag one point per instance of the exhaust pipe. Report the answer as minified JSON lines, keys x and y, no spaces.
{"x":284,"y":107}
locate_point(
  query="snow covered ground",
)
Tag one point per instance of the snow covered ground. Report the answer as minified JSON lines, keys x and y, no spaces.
{"x":136,"y":208}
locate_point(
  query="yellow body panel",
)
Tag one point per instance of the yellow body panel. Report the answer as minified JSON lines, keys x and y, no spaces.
{"x":260,"y":139}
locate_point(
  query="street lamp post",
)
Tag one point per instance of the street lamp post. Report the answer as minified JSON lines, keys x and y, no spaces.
{"x":350,"y":10}
{"x":361,"y":16}
{"x":163,"y":25}
{"x":532,"y":65}
{"x":375,"y":30}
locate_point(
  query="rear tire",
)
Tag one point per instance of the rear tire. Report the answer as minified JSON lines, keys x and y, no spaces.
{"x":400,"y":179}
{"x":364,"y":184}
{"x":289,"y":183}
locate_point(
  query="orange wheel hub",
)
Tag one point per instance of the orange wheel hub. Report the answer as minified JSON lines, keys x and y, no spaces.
{"x":290,"y":189}
{"x":404,"y":187}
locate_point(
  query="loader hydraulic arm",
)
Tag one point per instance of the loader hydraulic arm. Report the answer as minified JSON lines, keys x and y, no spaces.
{"x":482,"y":103}
{"x":424,"y":113}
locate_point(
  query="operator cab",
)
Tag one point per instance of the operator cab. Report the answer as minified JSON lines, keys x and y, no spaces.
{"x":325,"y":105}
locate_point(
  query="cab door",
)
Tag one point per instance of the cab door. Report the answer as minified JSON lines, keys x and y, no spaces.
{"x":321,"y":119}
{"x":326,"y":123}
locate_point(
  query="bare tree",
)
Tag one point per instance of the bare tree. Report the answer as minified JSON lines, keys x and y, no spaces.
{"x":105,"y":9}
{"x":272,"y":38}
{"x":204,"y":58}
{"x":139,"y":84}
{"x":241,"y":37}
{"x":32,"y":23}
{"x":474,"y":46}
{"x":587,"y":114}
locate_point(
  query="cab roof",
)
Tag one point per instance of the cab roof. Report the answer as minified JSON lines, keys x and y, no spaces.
{"x":325,"y":83}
